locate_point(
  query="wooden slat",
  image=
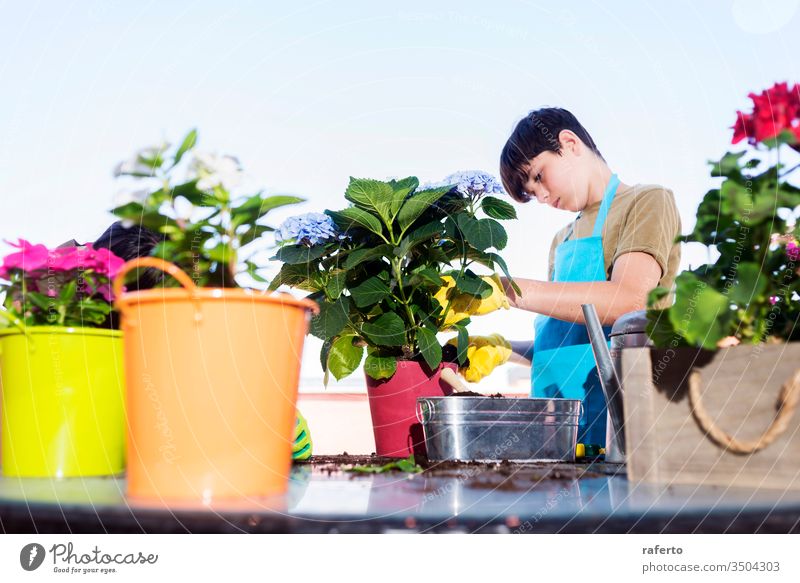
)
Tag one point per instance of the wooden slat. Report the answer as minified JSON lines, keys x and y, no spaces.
{"x":740,"y":390}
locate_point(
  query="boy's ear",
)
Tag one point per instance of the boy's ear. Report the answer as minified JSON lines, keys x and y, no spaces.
{"x":569,"y":141}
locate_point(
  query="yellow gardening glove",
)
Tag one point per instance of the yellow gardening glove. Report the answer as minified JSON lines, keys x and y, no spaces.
{"x":484,"y":354}
{"x":463,"y":305}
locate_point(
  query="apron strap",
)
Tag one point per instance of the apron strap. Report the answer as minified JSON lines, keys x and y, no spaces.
{"x":608,"y":198}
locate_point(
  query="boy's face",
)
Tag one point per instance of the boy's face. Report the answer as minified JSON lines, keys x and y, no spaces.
{"x":559,"y":179}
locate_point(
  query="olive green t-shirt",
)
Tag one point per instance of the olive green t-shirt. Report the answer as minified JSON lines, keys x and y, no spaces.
{"x":644,"y":218}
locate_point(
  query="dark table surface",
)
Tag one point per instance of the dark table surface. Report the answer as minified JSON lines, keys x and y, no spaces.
{"x":323,"y":497}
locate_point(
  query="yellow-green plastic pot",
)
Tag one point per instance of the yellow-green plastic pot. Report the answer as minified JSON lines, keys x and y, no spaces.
{"x":63,"y":402}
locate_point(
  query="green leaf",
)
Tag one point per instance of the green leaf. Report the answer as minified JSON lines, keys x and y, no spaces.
{"x":252,"y":271}
{"x":372,"y":195}
{"x":469,"y":283}
{"x":39,"y":300}
{"x":323,"y":354}
{"x":380,"y":367}
{"x":727,"y":165}
{"x":785,"y":137}
{"x":502,"y":263}
{"x":388,"y":330}
{"x":337,"y":280}
{"x":344,"y":357}
{"x":332,"y":318}
{"x":372,"y":291}
{"x":407,"y":465}
{"x":359,"y":256}
{"x":429,"y":347}
{"x":482,"y":233}
{"x":188,"y":143}
{"x":221,"y":253}
{"x":655,"y":295}
{"x":299,"y":276}
{"x":189,"y":191}
{"x":661,"y":331}
{"x":356,"y":217}
{"x":253,"y":234}
{"x":426,"y":275}
{"x":426,"y":232}
{"x":131,"y":211}
{"x":257,"y":206}
{"x":67,"y":293}
{"x":417,"y":204}
{"x":700,"y":313}
{"x":498,"y":208}
{"x":296,"y":254}
{"x":750,"y":285}
{"x":463,"y":343}
{"x":401,"y":189}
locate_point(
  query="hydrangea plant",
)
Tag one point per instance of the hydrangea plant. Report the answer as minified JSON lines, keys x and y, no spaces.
{"x":388,"y":270}
{"x":750,"y":292}
{"x":205,"y":224}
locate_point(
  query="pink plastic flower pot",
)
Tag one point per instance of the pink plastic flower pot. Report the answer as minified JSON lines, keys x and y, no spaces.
{"x":393,"y":404}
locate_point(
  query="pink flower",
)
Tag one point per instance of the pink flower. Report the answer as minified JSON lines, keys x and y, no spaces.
{"x":106,"y":291}
{"x":69,"y":258}
{"x":28,"y":258}
{"x":793,"y":250}
{"x":106,"y":263}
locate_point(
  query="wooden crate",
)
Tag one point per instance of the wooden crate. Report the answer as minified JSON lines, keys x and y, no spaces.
{"x":739,"y":388}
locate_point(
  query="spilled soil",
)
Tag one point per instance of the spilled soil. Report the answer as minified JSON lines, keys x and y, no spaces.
{"x":503,"y":476}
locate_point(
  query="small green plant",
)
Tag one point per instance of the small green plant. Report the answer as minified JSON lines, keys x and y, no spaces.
{"x":407,"y":465}
{"x":206,"y":227}
{"x":750,"y":291}
{"x":378,"y":268}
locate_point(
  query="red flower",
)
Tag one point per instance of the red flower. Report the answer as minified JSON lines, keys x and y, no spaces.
{"x":774,"y":110}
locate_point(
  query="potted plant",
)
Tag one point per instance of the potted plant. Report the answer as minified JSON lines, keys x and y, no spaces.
{"x":212,"y":368}
{"x":390,"y":272}
{"x":60,"y":363}
{"x":746,"y":299}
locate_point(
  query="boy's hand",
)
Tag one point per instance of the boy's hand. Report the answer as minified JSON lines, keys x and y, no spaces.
{"x":484,"y":354}
{"x":464,"y":305}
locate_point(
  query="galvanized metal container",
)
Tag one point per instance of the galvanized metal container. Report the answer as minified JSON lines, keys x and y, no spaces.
{"x":494,"y":429}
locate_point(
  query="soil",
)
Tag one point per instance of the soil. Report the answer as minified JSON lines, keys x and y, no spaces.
{"x":504,"y":475}
{"x":474,"y":394}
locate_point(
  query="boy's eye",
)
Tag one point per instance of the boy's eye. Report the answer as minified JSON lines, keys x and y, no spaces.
{"x":538,"y":177}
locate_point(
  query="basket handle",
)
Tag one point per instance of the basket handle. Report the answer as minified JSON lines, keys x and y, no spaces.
{"x":138,"y":262}
{"x":788,"y":399}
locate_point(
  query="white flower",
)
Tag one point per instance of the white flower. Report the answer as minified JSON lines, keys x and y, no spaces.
{"x":214,"y":170}
{"x":127,"y":196}
{"x":135,"y":166}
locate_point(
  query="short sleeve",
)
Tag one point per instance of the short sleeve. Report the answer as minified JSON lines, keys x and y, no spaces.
{"x":651,"y":226}
{"x":557,"y":240}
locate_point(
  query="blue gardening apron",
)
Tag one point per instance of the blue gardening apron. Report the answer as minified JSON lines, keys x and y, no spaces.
{"x":563,"y":363}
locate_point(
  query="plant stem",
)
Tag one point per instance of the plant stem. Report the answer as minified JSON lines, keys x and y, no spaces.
{"x":789,"y":171}
{"x":404,"y":300}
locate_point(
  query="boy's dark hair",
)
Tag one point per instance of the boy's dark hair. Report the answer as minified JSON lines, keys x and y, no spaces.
{"x":535,"y":133}
{"x":129,"y":243}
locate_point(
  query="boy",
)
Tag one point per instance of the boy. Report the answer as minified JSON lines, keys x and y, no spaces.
{"x":619,"y":247}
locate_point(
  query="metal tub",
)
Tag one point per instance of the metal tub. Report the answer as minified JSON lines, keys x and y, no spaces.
{"x":493,"y":429}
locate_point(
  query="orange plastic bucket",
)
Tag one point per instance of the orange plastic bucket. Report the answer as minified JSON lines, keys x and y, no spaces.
{"x":212,"y":379}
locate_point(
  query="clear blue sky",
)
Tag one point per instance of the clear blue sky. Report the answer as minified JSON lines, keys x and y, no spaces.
{"x":307,"y":94}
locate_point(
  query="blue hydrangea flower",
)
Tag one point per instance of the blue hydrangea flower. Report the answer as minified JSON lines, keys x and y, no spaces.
{"x":308,"y":229}
{"x":475,"y":183}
